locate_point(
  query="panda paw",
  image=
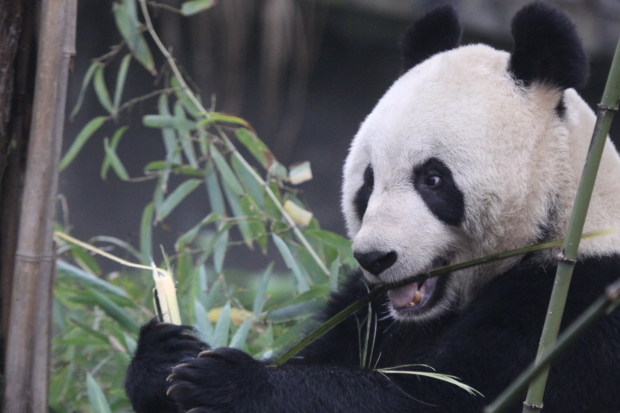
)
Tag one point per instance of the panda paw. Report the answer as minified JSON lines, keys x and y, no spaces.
{"x":220,"y":380}
{"x":160,"y":347}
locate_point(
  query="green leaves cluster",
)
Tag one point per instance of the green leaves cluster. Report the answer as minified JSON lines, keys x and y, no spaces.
{"x":97,"y":315}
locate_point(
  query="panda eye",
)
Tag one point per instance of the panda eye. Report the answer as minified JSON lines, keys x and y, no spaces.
{"x":433,"y":180}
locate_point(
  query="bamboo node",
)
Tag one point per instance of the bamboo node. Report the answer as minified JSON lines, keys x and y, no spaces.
{"x":537,"y":407}
{"x":33,"y":258}
{"x":606,"y":108}
{"x":563,"y":258}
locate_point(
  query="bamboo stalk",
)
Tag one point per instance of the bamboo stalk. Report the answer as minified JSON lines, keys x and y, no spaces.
{"x":27,"y":354}
{"x":602,"y":306}
{"x":566,"y":261}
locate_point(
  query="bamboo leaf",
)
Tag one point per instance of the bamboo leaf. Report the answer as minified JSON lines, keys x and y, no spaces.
{"x":114,"y":160}
{"x":95,"y":396}
{"x":85,"y":82}
{"x":216,"y":199}
{"x":184,"y":136}
{"x":130,"y":344}
{"x":126,"y":17}
{"x":85,"y":260}
{"x":168,"y":134}
{"x":219,"y":252}
{"x":222,"y":328}
{"x":302,"y":284}
{"x":221,"y":118}
{"x":259,"y":297}
{"x":174,"y":168}
{"x":176,"y":197}
{"x":64,"y":269}
{"x":228,"y":175}
{"x":167,"y":122}
{"x":101,"y":90}
{"x":119,"y":243}
{"x":189,"y":236}
{"x":294,"y":311}
{"x":235,"y":205}
{"x":121,"y":77}
{"x":113,"y":145}
{"x":146,"y":234}
{"x":203,"y":324}
{"x":238,"y":340}
{"x":443,"y":377}
{"x":196,"y":6}
{"x":87,"y":131}
{"x":181,"y":94}
{"x":255,"y":222}
{"x":249,"y":182}
{"x":257,"y":148}
{"x":113,"y":310}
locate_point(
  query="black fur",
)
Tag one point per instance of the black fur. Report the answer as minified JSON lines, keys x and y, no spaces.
{"x":363,"y":194}
{"x":444,"y":200}
{"x":560,"y":108}
{"x":439,"y":30}
{"x":547,"y":48}
{"x":486,"y":345}
{"x":161,"y":347}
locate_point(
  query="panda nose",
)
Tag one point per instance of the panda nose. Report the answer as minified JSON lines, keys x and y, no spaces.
{"x":375,"y":262}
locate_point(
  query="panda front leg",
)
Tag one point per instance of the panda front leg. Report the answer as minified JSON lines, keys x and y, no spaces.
{"x":229,"y":380}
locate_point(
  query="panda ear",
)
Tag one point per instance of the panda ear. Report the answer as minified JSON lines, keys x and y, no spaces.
{"x":547,"y":48}
{"x":439,"y":30}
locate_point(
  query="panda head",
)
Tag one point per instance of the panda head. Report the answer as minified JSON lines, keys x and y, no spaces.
{"x":471,"y":151}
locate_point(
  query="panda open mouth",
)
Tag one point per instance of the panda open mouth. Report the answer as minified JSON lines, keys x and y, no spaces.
{"x":421,"y":295}
{"x":414,"y":296}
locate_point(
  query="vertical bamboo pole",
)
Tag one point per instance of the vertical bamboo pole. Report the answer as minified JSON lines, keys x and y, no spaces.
{"x":566,"y":262}
{"x":27,"y":354}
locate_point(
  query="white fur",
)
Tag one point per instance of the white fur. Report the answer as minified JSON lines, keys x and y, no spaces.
{"x":510,"y":155}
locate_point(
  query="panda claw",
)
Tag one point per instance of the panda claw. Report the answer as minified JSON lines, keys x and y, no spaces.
{"x":206,"y":353}
{"x":179,"y":367}
{"x":190,"y":336}
{"x":172,"y":389}
{"x":171,"y":377}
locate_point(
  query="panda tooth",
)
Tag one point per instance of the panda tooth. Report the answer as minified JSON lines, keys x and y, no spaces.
{"x":417,"y":298}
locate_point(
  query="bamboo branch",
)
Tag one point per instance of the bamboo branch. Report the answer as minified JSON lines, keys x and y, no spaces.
{"x":352,"y":308}
{"x":602,"y":306}
{"x":229,"y":144}
{"x":566,"y":260}
{"x":27,"y":354}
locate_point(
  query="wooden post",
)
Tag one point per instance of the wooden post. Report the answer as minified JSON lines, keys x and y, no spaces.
{"x":27,"y":353}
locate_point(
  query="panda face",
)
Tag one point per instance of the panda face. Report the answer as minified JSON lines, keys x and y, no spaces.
{"x":455,"y":162}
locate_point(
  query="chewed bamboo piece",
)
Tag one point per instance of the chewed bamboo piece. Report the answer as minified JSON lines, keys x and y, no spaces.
{"x":166,"y":295}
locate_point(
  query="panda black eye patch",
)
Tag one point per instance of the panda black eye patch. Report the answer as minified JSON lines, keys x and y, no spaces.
{"x":363,"y":194}
{"x":433,"y":181}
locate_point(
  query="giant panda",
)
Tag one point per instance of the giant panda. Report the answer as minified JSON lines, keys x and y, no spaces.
{"x":471,"y":151}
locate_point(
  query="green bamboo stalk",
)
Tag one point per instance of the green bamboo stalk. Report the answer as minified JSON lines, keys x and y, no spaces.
{"x":602,"y":306}
{"x":361,"y":302}
{"x":566,"y":261}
